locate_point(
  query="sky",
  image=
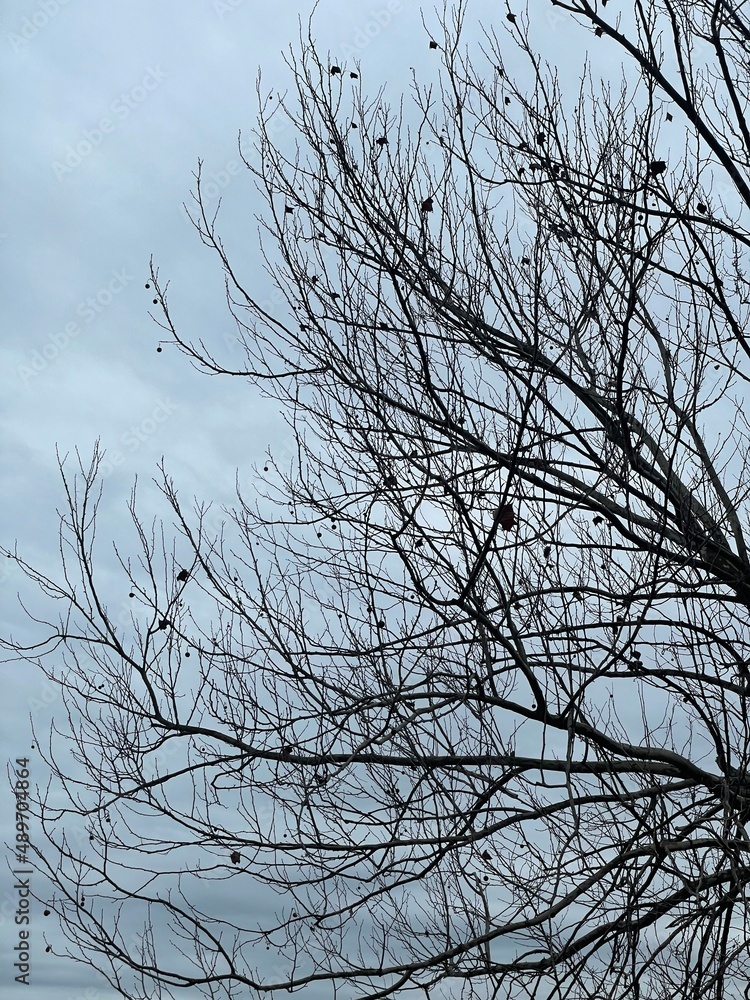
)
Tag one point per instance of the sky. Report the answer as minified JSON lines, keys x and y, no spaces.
{"x":106,"y":110}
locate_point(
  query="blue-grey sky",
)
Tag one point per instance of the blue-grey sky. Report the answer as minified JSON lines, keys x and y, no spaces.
{"x":106,"y":110}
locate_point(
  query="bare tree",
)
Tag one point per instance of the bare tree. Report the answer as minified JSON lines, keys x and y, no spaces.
{"x":465,"y":708}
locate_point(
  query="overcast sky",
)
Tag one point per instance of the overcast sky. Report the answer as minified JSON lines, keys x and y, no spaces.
{"x":107,"y":108}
